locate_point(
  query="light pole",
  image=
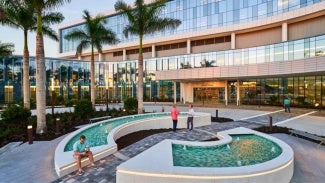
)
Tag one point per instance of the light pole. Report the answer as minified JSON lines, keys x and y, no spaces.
{"x":106,"y":97}
{"x":52,"y":96}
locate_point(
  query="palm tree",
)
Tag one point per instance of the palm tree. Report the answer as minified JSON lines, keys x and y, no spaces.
{"x":6,"y":49}
{"x":2,"y":13}
{"x":21,"y":16}
{"x":94,"y":35}
{"x":41,"y":6}
{"x":144,"y":19}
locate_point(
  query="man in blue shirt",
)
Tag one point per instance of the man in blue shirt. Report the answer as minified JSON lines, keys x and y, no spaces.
{"x":286,"y":105}
{"x":81,"y":149}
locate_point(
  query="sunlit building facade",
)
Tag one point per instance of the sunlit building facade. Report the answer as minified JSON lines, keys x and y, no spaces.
{"x":225,"y":51}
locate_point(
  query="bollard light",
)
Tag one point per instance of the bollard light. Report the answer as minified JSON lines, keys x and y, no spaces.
{"x":270,"y":120}
{"x":217,"y":116}
{"x":57,"y":126}
{"x":30,"y":134}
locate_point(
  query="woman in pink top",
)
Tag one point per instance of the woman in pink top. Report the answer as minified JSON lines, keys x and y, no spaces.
{"x":174,"y":113}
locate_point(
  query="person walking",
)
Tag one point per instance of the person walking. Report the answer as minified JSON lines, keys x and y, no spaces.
{"x":174,"y":113}
{"x":286,"y":105}
{"x":190,"y":117}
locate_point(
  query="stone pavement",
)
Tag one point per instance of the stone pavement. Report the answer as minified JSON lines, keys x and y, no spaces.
{"x":106,"y":172}
{"x":29,"y":163}
{"x":34,"y":163}
{"x":309,"y":164}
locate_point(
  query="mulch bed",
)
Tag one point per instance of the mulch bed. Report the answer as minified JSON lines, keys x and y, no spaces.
{"x":137,"y":136}
{"x":275,"y":129}
{"x":221,"y":120}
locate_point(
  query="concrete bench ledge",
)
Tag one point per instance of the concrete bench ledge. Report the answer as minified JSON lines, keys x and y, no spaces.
{"x":65,"y":163}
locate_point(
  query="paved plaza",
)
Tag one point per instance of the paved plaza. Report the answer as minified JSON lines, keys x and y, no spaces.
{"x":34,"y":163}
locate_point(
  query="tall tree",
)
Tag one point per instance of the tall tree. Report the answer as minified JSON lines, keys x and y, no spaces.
{"x":93,"y":35}
{"x":41,"y":6}
{"x":22,"y":16}
{"x":144,"y":19}
{"x":6,"y":49}
{"x":2,"y":13}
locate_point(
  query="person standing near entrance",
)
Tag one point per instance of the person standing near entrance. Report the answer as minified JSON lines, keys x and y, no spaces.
{"x":286,"y":105}
{"x":190,"y":117}
{"x":174,"y":113}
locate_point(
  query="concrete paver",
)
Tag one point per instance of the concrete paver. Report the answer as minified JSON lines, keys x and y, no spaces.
{"x":310,"y":124}
{"x":34,"y":163}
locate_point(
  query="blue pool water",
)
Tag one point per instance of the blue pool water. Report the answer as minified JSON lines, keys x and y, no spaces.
{"x":243,"y":150}
{"x":97,"y":135}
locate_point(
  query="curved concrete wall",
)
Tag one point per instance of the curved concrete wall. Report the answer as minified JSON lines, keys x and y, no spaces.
{"x":65,"y":163}
{"x":156,"y":165}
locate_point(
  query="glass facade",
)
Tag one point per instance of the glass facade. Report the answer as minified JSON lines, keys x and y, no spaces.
{"x":200,"y":15}
{"x":303,"y":91}
{"x":291,"y":50}
{"x":71,"y":78}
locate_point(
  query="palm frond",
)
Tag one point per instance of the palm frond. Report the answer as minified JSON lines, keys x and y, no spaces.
{"x":162,"y":24}
{"x":130,"y":29}
{"x":107,"y":36}
{"x":49,"y":32}
{"x":81,"y":46}
{"x":125,"y":9}
{"x":6,"y":49}
{"x":52,"y":18}
{"x":53,"y":4}
{"x":77,"y":34}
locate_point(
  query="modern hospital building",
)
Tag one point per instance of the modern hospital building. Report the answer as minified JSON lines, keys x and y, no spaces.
{"x":224,"y":51}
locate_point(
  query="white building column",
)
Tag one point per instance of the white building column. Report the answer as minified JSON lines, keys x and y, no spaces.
{"x":79,"y":57}
{"x":124,"y":54}
{"x":153,"y":51}
{"x":100,"y":57}
{"x":182,"y":91}
{"x":238,"y":93}
{"x":226,"y":92}
{"x":284,"y":32}
{"x":233,"y":41}
{"x":174,"y":92}
{"x":189,"y":50}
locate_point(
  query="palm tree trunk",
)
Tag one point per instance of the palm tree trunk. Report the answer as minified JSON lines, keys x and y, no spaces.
{"x":26,"y":92}
{"x":40,"y":78}
{"x":140,"y":78}
{"x":92,"y":78}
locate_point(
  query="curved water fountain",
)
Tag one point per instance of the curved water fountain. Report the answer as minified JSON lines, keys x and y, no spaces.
{"x":241,"y":155}
{"x":102,"y":135}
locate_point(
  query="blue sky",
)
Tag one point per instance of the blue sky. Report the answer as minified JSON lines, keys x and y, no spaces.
{"x":71,"y":11}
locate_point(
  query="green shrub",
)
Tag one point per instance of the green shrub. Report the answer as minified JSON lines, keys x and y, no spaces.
{"x":274,"y":99}
{"x":59,"y":100}
{"x":131,"y":104}
{"x":83,"y":109}
{"x":15,"y":119}
{"x":16,"y":114}
{"x":69,"y":102}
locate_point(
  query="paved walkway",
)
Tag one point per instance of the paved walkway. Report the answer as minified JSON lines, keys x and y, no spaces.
{"x":34,"y":163}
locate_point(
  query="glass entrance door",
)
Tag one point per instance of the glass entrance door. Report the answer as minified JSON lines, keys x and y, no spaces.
{"x":209,"y":95}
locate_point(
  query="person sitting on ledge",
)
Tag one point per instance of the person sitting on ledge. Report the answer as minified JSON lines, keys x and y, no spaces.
{"x":81,"y":149}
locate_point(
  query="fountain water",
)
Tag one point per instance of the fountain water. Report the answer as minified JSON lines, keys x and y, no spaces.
{"x":228,"y":147}
{"x":273,"y":149}
{"x":237,"y":138}
{"x":184,"y":147}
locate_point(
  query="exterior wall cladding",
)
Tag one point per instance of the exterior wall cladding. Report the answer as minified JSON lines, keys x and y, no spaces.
{"x":227,"y":51}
